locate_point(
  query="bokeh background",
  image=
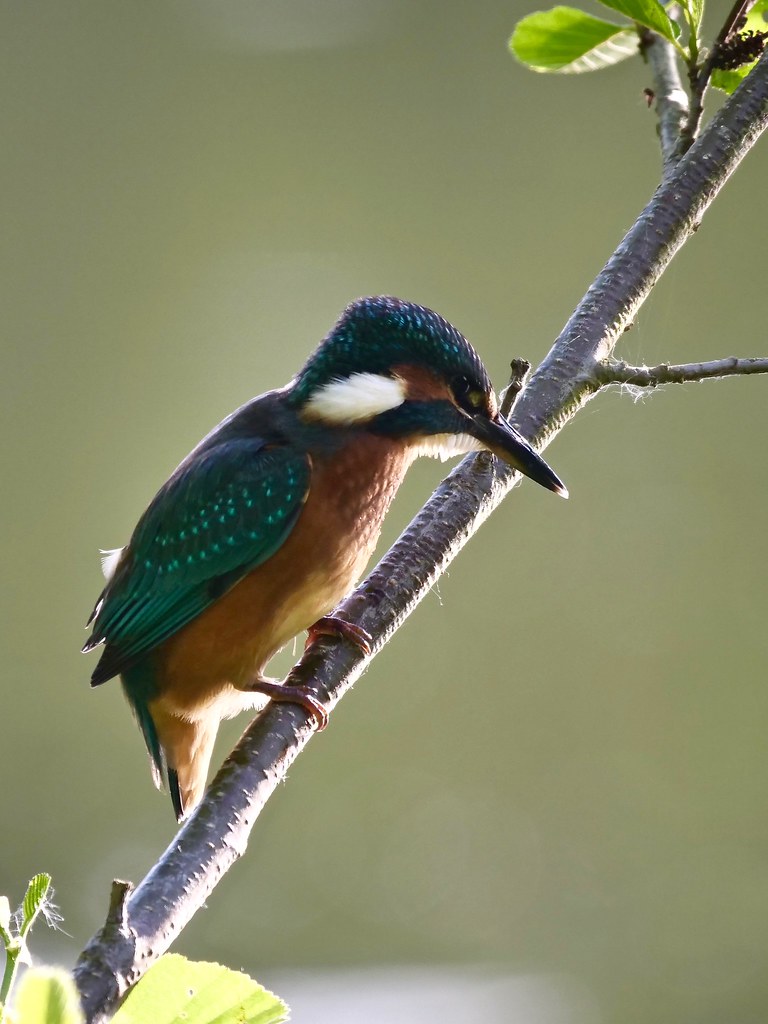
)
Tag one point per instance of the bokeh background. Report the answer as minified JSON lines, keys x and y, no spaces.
{"x":547,"y":801}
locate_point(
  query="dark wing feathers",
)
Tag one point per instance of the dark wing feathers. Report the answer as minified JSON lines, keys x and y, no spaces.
{"x":226,"y":510}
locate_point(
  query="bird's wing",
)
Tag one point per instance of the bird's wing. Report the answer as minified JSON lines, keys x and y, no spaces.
{"x":222,"y":513}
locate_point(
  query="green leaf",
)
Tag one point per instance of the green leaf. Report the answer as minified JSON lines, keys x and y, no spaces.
{"x":177,"y":989}
{"x":695,"y":11}
{"x":34,"y":901}
{"x":757,"y":19}
{"x":649,"y":13}
{"x":47,"y":995}
{"x":568,"y":41}
{"x":729,"y":81}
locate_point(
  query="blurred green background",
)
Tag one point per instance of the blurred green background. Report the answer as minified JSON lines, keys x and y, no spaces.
{"x":559,"y":768}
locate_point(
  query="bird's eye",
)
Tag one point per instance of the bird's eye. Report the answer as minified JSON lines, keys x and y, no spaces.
{"x":469,"y":396}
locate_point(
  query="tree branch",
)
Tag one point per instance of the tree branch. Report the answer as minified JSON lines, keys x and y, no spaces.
{"x":617,"y":372}
{"x":700,"y":77}
{"x":520,"y":368}
{"x":217,"y":833}
{"x":670,"y":96}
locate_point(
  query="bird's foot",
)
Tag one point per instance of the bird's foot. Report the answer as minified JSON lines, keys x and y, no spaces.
{"x":293,"y":695}
{"x":332,"y":625}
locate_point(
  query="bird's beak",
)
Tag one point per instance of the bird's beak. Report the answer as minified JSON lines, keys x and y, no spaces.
{"x":500,"y":437}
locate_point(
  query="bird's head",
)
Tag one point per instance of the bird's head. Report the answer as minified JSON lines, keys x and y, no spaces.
{"x":401,"y":371}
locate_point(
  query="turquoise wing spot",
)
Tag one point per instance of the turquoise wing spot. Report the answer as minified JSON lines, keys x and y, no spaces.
{"x":204,"y":555}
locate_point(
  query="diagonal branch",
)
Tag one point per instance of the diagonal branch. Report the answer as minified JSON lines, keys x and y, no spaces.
{"x":218,"y":832}
{"x":616,"y":372}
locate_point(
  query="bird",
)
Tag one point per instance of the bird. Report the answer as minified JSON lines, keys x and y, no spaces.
{"x":271,"y":520}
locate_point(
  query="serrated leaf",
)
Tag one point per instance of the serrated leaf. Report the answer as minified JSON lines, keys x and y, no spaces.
{"x":568,"y":41}
{"x":199,"y":993}
{"x":47,"y":995}
{"x":649,"y":13}
{"x":34,"y":900}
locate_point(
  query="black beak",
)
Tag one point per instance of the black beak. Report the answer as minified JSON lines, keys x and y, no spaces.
{"x":503,"y":440}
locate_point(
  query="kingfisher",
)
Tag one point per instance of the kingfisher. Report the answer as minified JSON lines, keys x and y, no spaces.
{"x":271,"y":520}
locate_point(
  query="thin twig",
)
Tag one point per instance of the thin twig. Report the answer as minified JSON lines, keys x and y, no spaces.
{"x":617,"y":372}
{"x":669,"y":94}
{"x":217,"y":832}
{"x":700,"y":76}
{"x":520,"y":369}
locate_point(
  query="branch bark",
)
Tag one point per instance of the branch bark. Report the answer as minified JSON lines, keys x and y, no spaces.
{"x":670,"y":96}
{"x":614,"y":372}
{"x":217,"y":834}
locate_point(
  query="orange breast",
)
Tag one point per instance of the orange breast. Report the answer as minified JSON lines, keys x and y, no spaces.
{"x":323,"y":557}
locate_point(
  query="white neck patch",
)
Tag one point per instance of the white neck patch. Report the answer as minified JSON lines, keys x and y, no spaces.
{"x":355,"y":399}
{"x":447,"y":446}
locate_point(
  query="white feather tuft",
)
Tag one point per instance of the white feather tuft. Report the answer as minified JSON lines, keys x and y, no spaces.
{"x":355,"y":399}
{"x":447,"y":446}
{"x":109,"y":560}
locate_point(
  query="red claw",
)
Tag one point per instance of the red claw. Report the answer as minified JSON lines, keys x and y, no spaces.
{"x":332,"y":625}
{"x":293,"y":695}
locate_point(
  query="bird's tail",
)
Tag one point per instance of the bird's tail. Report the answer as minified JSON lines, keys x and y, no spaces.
{"x":139,"y":687}
{"x":179,"y":750}
{"x":187,"y":748}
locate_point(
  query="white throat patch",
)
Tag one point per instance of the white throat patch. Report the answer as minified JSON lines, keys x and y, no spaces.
{"x":355,"y":399}
{"x":447,"y":446}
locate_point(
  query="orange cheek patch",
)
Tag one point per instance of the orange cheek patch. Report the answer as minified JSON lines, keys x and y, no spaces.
{"x":421,"y":385}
